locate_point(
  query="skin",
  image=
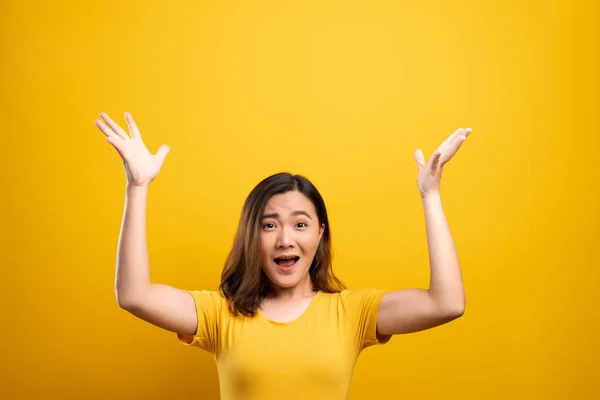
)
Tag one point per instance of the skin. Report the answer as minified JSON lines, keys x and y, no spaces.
{"x":291,"y":226}
{"x":400,"y":311}
{"x":415,"y":309}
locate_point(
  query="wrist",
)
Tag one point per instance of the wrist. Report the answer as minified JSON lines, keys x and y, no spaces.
{"x":131,"y":188}
{"x":431,"y":196}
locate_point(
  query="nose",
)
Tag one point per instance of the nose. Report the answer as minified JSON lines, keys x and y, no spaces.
{"x":284,"y":238}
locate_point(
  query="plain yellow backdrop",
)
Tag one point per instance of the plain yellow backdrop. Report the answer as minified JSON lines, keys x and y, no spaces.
{"x":343,"y":93}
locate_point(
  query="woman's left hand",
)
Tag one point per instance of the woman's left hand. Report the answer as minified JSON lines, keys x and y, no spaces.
{"x":430,"y":174}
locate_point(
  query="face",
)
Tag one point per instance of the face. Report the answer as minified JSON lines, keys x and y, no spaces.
{"x":289,"y":229}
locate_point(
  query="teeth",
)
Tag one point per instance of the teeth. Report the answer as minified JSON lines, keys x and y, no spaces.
{"x":279,"y":259}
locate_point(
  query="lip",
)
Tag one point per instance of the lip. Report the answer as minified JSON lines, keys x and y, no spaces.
{"x":287,"y":256}
{"x":286,"y":269}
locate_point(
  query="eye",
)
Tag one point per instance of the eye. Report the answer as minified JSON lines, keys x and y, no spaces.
{"x":269,"y":225}
{"x":302,"y":223}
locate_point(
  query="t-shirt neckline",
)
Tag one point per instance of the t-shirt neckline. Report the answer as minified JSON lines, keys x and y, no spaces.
{"x":311,"y":305}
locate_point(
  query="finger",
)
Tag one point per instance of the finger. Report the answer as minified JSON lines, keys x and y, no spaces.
{"x":104,"y":128}
{"x":133,"y":129}
{"x":114,"y":126}
{"x":435,"y":161}
{"x":116,"y":142}
{"x":462,"y":135}
{"x":459,"y":140}
{"x":450,"y":138}
{"x":456,"y":138}
{"x":452,"y":148}
{"x":466,"y":132}
{"x":419,"y":158}
{"x":163,"y":151}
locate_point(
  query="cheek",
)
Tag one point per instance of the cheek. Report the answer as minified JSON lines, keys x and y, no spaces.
{"x":266,"y":245}
{"x":264,"y":240}
{"x":310,"y":241}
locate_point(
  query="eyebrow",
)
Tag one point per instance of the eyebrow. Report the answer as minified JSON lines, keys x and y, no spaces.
{"x":293,"y":214}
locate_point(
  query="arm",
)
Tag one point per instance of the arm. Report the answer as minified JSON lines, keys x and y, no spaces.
{"x":161,"y":305}
{"x":412,"y":310}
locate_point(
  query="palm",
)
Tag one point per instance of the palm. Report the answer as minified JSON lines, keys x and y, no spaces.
{"x":140,"y":164}
{"x":141,"y":167}
{"x":429,"y":176}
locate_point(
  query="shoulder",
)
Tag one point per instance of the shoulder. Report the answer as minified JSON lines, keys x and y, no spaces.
{"x":206,"y":294}
{"x":210,"y":300}
{"x":361,"y":294}
{"x":361,"y":307}
{"x":357,"y":298}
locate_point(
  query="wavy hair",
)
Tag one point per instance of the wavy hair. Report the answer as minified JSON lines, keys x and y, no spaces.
{"x":243,"y":282}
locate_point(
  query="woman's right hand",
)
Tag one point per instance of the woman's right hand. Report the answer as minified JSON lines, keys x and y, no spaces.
{"x":141,"y":167}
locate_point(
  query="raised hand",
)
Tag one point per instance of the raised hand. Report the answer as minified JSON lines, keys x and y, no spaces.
{"x":430,"y":174}
{"x":141,"y":167}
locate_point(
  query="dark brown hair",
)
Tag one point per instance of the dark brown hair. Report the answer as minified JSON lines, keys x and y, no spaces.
{"x":243,"y":282}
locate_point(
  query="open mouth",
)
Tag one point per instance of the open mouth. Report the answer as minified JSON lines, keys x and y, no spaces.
{"x":286,"y":262}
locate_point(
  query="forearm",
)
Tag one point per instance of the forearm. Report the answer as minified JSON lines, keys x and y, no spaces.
{"x":132,"y":280}
{"x":446,"y":285}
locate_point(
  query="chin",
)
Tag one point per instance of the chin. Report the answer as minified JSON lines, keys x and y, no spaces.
{"x":285,"y":283}
{"x":286,"y":280}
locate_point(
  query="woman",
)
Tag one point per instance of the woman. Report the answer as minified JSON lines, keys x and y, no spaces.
{"x":282,"y":326}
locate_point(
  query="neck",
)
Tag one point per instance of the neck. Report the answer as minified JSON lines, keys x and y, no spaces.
{"x":302,"y":290}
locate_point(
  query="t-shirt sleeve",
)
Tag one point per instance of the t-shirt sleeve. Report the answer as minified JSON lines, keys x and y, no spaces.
{"x":209,"y":306}
{"x":362,"y":306}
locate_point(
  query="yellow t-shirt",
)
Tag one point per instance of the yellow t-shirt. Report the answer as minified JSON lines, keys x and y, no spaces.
{"x":311,"y":357}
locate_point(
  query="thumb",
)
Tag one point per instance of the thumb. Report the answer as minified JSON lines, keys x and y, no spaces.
{"x":163,"y":151}
{"x":419,"y":158}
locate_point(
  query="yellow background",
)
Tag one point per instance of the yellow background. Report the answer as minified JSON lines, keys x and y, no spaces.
{"x":343,"y":93}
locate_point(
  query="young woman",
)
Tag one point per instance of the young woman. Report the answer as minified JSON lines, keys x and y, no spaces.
{"x":282,"y":326}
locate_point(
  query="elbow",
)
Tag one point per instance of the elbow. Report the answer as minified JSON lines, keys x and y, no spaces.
{"x":126,"y":301}
{"x":123,"y":302}
{"x":450,"y":314}
{"x":449,"y":304}
{"x":454,"y":311}
{"x":131,"y":297}
{"x":457,"y":311}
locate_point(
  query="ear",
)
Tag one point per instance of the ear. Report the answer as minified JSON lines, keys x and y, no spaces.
{"x":321,"y":230}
